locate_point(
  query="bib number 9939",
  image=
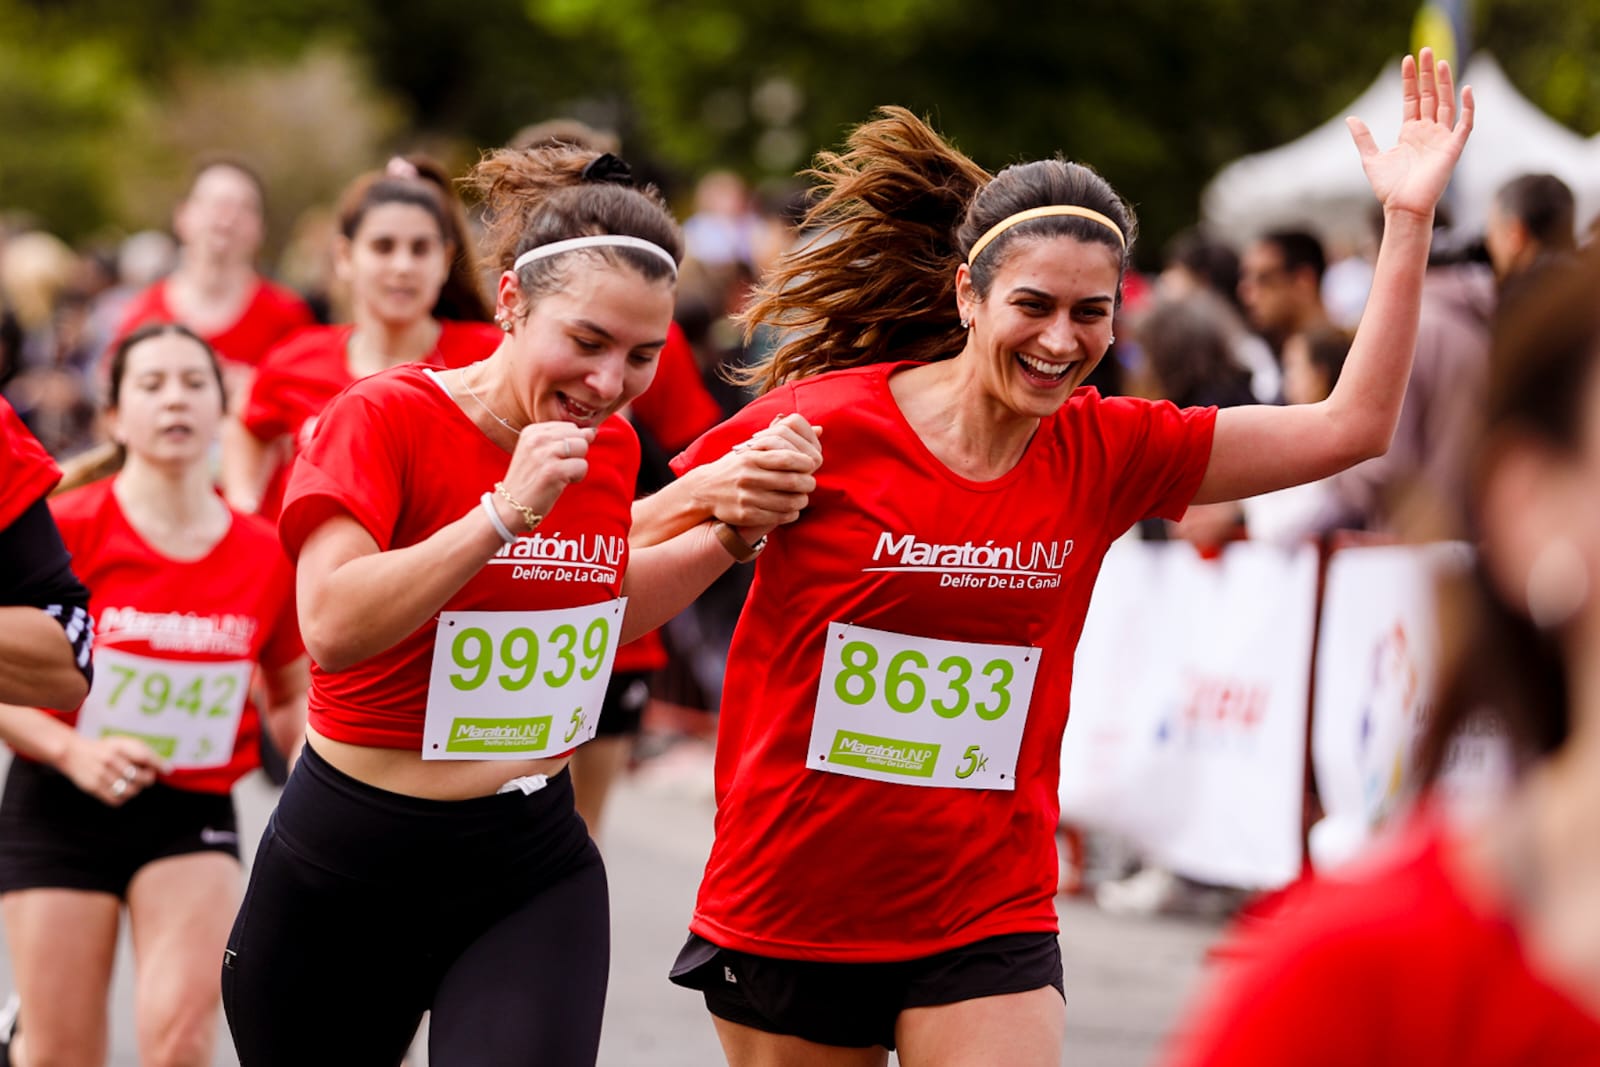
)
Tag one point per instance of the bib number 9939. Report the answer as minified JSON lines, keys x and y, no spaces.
{"x":921,"y":711}
{"x":519,"y":684}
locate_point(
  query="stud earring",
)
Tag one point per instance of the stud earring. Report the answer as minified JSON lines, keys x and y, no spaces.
{"x":966,"y":324}
{"x":1112,"y":340}
{"x":504,"y":323}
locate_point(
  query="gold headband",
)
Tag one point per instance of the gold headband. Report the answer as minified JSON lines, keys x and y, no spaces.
{"x":1044,"y":212}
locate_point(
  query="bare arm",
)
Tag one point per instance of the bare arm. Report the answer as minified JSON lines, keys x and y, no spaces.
{"x":285,"y":713}
{"x":94,"y":765}
{"x":764,"y":482}
{"x":1258,"y":449}
{"x":247,"y":463}
{"x":355,"y":601}
{"x":663,"y":579}
{"x":37,"y":663}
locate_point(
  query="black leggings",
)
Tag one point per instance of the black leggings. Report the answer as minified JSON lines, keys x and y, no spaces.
{"x":366,"y":908}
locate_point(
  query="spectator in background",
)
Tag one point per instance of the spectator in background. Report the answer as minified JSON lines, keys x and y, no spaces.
{"x":45,"y":284}
{"x":216,"y":290}
{"x":1426,"y":465}
{"x":1311,"y":365}
{"x":142,"y":259}
{"x":1346,"y":283}
{"x":1280,"y":285}
{"x":1531,"y":223}
{"x":722,"y":229}
{"x":1195,"y":261}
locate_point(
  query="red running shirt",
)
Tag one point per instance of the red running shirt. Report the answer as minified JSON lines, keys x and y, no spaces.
{"x":298,"y":377}
{"x":811,"y":865}
{"x":676,"y":409}
{"x":235,"y":603}
{"x":398,"y":455}
{"x":1389,"y":965}
{"x":271,"y":315}
{"x":26,"y":470}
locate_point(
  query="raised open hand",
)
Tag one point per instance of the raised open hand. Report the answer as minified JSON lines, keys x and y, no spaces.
{"x":1413,"y":174}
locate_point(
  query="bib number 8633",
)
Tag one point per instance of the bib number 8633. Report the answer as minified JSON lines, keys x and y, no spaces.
{"x":514,"y":663}
{"x":905,"y":684}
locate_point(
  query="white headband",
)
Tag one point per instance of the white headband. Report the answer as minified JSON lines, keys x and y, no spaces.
{"x":555,"y":248}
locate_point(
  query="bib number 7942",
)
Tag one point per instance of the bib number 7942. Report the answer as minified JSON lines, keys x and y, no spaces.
{"x":921,"y":711}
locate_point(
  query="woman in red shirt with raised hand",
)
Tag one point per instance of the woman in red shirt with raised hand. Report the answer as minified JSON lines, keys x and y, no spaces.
{"x":405,"y":254}
{"x":125,"y":802}
{"x":884,"y":869}
{"x":1468,"y":938}
{"x":216,"y":290}
{"x":465,"y":577}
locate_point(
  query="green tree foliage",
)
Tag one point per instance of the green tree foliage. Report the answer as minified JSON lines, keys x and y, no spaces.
{"x":1155,"y":94}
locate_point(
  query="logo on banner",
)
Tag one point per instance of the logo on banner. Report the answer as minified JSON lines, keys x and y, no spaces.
{"x":970,"y":565}
{"x":1215,"y":711}
{"x":1394,"y":711}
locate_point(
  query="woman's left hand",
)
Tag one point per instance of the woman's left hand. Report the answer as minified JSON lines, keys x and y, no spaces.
{"x":1413,"y":174}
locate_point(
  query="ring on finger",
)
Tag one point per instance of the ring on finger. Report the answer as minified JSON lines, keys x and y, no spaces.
{"x":130,"y":772}
{"x":566,"y":448}
{"x":119,"y":787}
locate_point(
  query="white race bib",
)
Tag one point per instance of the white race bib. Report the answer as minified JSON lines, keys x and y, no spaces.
{"x":188,"y":712}
{"x":519,"y":684}
{"x":919,"y":711}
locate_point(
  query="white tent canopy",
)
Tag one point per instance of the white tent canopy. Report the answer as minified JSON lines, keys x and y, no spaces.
{"x":1316,"y":181}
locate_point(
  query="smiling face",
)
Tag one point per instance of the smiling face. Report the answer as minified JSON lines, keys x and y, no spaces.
{"x":169,"y":403}
{"x":395,"y":263}
{"x":1045,"y":323}
{"x":581,"y":352}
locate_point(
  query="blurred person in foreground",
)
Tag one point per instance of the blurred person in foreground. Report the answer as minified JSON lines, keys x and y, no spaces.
{"x":1469,"y":937}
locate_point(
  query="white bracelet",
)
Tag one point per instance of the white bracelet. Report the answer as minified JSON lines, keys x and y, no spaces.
{"x":487,"y":500}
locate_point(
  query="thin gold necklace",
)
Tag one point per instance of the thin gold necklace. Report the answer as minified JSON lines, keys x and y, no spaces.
{"x":474,"y":394}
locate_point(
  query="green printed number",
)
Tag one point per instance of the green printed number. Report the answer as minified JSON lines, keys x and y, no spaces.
{"x":515,"y":662}
{"x":905,"y":686}
{"x":154,"y":692}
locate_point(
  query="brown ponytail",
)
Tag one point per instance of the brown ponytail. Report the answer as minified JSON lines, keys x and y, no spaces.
{"x":899,"y":209}
{"x":535,"y":197}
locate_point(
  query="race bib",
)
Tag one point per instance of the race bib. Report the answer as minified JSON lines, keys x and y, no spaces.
{"x":519,"y":684}
{"x":187,"y":712}
{"x":919,"y":711}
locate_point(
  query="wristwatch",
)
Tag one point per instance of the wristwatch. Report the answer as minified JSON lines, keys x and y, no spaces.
{"x":737,"y":547}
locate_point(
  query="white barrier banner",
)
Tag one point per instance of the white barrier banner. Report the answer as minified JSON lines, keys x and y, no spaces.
{"x":1189,"y":707}
{"x":1377,"y":677}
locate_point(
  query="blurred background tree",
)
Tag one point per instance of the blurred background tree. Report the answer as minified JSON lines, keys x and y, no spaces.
{"x":102,"y":104}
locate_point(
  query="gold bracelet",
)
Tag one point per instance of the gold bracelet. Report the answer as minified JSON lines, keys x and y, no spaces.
{"x":737,"y":547}
{"x":530,"y":518}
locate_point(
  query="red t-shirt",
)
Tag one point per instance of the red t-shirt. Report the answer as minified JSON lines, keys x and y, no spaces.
{"x":821,"y":866}
{"x":397,"y":454}
{"x":676,"y":409}
{"x":235,"y":603}
{"x":1389,"y":964}
{"x":26,"y":470}
{"x":298,"y":377}
{"x":271,"y":315}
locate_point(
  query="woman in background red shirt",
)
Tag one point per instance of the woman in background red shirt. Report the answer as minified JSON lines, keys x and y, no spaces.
{"x":216,"y":290}
{"x":405,"y":254}
{"x":126,"y":802}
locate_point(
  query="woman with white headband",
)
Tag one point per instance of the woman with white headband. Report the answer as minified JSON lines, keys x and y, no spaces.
{"x":884,"y":870}
{"x":464,"y":579}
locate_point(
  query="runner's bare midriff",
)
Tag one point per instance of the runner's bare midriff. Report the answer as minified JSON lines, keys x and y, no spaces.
{"x":406,"y":772}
